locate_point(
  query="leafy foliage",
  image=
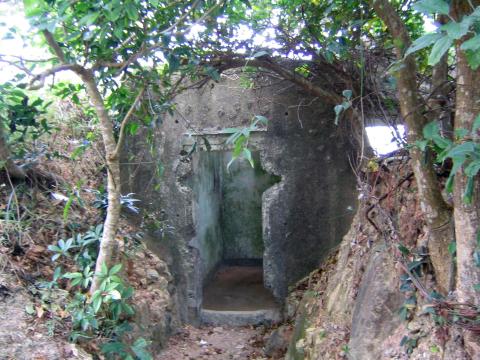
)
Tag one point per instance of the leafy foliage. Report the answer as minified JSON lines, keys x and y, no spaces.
{"x":107,"y":310}
{"x":445,"y":36}
{"x":240,"y":137}
{"x":101,"y":201}
{"x":22,"y":114}
{"x":464,"y":153}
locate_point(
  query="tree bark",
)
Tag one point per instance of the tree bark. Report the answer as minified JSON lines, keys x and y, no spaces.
{"x":437,"y":213}
{"x":467,"y":216}
{"x":108,"y":246}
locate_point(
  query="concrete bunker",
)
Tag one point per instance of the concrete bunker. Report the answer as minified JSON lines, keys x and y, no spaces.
{"x":303,"y":217}
{"x":229,"y":238}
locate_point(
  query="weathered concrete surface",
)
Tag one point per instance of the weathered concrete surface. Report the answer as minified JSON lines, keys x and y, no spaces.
{"x":304,"y":215}
{"x":227,"y":209}
{"x":240,"y":318}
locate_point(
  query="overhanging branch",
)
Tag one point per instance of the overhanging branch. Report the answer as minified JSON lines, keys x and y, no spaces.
{"x":223,"y":63}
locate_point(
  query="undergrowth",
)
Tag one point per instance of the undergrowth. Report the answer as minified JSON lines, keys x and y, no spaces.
{"x":48,"y":241}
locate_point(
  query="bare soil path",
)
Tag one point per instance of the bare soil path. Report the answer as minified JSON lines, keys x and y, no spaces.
{"x":216,"y":343}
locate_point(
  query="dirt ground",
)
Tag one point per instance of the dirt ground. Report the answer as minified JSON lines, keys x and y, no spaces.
{"x":215,"y":343}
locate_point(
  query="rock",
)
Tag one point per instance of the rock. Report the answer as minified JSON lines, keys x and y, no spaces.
{"x":152,"y":275}
{"x":278,"y":341}
{"x":376,"y":307}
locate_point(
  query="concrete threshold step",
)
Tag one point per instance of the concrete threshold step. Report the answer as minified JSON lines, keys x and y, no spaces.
{"x":240,"y":318}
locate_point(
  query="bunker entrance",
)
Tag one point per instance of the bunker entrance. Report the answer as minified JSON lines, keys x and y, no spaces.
{"x":229,"y":239}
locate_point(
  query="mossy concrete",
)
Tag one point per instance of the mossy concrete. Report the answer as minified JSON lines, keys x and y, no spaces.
{"x":227,"y":209}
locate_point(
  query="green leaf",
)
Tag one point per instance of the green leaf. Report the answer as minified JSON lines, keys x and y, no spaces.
{"x":422,"y":144}
{"x":338,"y":110}
{"x":403,"y":250}
{"x":133,"y":128}
{"x":114,"y":347}
{"x":430,"y":130}
{"x":97,"y":302}
{"x":347,"y":94}
{"x":104,"y":269}
{"x":457,"y":164}
{"x":440,"y":47}
{"x":54,"y":248}
{"x":472,"y":169}
{"x":115,"y":269}
{"x":423,"y":42}
{"x":471,"y":44}
{"x":441,"y":142}
{"x":261,"y":119}
{"x":114,"y":14}
{"x":207,"y":144}
{"x":462,"y":150}
{"x":452,"y":248}
{"x":473,"y":58}
{"x":67,"y":207}
{"x":89,"y":19}
{"x":139,"y":348}
{"x":468,"y":193}
{"x":127,"y":309}
{"x":248,"y":155}
{"x":456,"y":30}
{"x":460,"y":133}
{"x":73,"y":275}
{"x":213,"y":73}
{"x":132,"y":12}
{"x":476,"y":124}
{"x":432,"y":7}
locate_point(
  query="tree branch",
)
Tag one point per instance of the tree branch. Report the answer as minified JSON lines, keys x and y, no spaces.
{"x":54,"y":46}
{"x":145,"y":50}
{"x":121,"y":135}
{"x":17,"y":64}
{"x":229,"y":62}
{"x":38,"y":81}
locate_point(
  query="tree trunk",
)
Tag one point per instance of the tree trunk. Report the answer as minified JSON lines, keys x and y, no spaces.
{"x":467,"y":216}
{"x":6,"y":162}
{"x":437,"y":214}
{"x":108,"y":247}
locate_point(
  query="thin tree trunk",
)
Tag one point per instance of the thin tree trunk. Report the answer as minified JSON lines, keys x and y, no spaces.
{"x":13,"y":169}
{"x":108,"y":247}
{"x":437,"y":213}
{"x":467,"y":216}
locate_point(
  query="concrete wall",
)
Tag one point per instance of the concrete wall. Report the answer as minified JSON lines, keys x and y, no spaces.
{"x":207,"y":204}
{"x":227,"y":209}
{"x":241,"y":221}
{"x":304,"y":216}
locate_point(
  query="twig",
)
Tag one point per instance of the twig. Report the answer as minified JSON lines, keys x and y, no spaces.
{"x":121,"y":136}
